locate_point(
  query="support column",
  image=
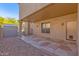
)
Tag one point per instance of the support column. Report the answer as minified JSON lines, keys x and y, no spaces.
{"x":20,"y":27}
{"x":28,"y":28}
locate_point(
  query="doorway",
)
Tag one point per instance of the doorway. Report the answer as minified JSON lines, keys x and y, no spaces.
{"x":71,"y":30}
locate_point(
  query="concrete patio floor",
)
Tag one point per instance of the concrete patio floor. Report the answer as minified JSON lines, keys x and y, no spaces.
{"x":60,"y":48}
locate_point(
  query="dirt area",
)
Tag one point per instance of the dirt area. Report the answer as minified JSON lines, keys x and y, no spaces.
{"x":13,"y":46}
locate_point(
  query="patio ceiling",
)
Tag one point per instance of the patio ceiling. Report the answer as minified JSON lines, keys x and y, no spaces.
{"x":52,"y":11}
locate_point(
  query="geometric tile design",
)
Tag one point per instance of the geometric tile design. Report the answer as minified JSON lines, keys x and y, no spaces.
{"x":61,"y":48}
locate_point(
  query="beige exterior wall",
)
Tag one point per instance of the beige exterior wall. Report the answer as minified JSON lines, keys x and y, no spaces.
{"x":57,"y":30}
{"x":78,"y":31}
{"x":29,"y":8}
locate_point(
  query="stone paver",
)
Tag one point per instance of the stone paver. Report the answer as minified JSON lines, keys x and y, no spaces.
{"x":61,"y":48}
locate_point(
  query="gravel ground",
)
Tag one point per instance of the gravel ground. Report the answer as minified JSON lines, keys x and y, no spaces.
{"x":13,"y":46}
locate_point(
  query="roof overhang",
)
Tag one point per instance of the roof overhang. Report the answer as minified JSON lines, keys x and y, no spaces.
{"x":52,"y":11}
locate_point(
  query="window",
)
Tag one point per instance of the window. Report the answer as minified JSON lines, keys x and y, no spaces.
{"x":45,"y":27}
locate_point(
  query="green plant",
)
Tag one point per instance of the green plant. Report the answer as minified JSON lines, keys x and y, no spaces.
{"x":4,"y":21}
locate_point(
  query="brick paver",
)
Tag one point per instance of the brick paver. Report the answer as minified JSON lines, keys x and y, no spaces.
{"x":13,"y":46}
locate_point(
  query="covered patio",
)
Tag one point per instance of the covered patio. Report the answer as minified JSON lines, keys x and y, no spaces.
{"x":58,"y":48}
{"x":61,"y":19}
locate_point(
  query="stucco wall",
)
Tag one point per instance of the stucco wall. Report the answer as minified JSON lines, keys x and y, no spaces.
{"x":29,"y":8}
{"x":57,"y":30}
{"x":78,"y":31}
